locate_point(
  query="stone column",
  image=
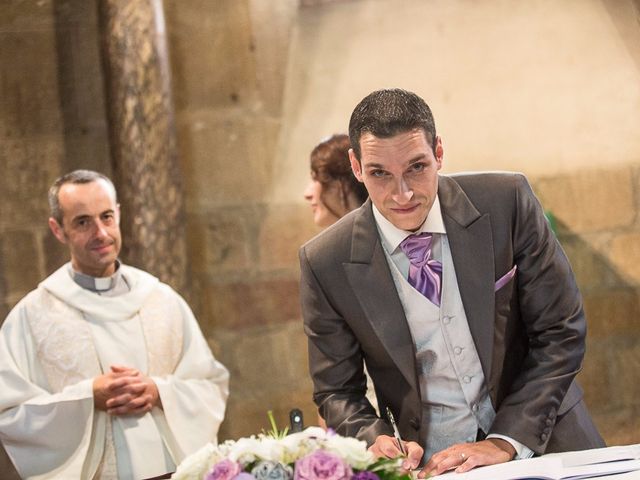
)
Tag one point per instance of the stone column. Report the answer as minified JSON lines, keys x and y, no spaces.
{"x":142,"y":137}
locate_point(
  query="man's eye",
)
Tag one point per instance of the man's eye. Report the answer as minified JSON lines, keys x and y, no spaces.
{"x":378,"y":173}
{"x":417,"y":167}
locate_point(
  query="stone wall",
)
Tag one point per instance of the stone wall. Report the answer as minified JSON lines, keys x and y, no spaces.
{"x":51,"y":121}
{"x":229,"y":66}
{"x":256,"y":84}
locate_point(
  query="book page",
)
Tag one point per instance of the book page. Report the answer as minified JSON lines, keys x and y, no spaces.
{"x":538,"y":468}
{"x":559,"y":466}
{"x":600,"y":455}
{"x":600,"y":469}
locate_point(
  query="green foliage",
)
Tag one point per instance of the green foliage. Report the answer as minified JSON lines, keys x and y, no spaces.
{"x":387,"y":469}
{"x":274,"y":432}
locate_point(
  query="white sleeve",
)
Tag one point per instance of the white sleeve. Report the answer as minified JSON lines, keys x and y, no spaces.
{"x":522,"y":451}
{"x":46,"y":435}
{"x":195,"y":396}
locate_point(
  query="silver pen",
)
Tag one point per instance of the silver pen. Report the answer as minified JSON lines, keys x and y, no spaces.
{"x":396,"y":433}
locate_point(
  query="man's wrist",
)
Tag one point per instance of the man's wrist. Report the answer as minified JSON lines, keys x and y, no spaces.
{"x":522,"y":451}
{"x":504,"y":445}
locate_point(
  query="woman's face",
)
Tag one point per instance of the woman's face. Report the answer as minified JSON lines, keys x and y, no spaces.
{"x":325,"y":202}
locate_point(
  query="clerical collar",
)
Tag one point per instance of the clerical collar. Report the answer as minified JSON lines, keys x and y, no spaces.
{"x":96,"y":284}
{"x":391,"y":235}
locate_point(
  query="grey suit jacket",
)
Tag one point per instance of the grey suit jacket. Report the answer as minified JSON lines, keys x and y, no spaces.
{"x":529,"y":334}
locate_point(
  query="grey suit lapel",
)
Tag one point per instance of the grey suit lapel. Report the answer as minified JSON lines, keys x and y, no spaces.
{"x":370,"y":278}
{"x":471,"y":242}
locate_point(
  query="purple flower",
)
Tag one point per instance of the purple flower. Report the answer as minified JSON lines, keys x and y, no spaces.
{"x":365,"y":475}
{"x":224,"y":470}
{"x":321,"y":465}
{"x":244,"y":476}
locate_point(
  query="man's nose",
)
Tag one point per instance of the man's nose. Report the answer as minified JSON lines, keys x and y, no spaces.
{"x":402,"y":192}
{"x":101,"y":230}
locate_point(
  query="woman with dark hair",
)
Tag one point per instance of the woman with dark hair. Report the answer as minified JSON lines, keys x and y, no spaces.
{"x":333,"y":190}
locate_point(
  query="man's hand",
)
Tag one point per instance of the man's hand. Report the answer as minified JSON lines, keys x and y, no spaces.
{"x":125,"y":391}
{"x":105,"y":385}
{"x":386,"y":446}
{"x":464,"y":456}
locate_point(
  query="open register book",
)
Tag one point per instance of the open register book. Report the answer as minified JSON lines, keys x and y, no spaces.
{"x":598,"y":462}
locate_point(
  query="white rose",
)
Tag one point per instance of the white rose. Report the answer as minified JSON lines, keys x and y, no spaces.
{"x":313,"y":432}
{"x":299,"y":444}
{"x":271,"y":449}
{"x":352,"y":450}
{"x":247,"y":450}
{"x":244,"y":450}
{"x":196,"y":465}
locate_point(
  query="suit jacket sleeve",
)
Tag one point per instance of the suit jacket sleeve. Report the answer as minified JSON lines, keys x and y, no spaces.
{"x":336,"y":363}
{"x":544,"y":306}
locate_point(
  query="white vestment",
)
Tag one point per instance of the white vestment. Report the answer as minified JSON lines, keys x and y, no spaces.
{"x":60,"y":336}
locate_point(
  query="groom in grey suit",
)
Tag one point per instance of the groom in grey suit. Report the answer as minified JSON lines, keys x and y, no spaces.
{"x":455,"y":293}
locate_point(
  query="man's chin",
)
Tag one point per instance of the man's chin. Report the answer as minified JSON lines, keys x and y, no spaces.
{"x":107,"y":264}
{"x":410,"y":224}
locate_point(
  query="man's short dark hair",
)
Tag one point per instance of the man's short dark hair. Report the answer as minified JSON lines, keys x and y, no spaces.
{"x":386,"y":113}
{"x":75,"y":177}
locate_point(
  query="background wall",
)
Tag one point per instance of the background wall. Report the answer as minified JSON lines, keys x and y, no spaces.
{"x":544,"y":87}
{"x":548,"y":88}
{"x":51,"y":120}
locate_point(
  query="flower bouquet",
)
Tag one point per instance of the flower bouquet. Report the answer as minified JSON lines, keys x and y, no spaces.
{"x":313,"y":454}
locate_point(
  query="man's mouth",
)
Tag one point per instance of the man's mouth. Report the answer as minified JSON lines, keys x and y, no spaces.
{"x":102,"y":248}
{"x":405,"y":210}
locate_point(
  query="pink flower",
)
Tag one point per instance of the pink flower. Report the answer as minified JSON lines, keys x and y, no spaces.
{"x":246,"y":476}
{"x":224,"y":470}
{"x":365,"y":475}
{"x":321,"y":465}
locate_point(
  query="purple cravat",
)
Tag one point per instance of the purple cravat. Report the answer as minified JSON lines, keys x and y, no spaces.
{"x":425,"y":273}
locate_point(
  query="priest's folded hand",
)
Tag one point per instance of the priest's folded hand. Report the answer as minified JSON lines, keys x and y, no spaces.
{"x":125,"y":391}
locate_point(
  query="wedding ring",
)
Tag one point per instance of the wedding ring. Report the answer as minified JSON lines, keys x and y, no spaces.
{"x":463,"y":457}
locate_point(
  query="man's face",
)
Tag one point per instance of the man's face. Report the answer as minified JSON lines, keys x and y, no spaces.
{"x":400,"y":174}
{"x":90,"y":227}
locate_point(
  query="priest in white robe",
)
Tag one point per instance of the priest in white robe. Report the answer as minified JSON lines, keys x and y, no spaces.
{"x":104,"y":372}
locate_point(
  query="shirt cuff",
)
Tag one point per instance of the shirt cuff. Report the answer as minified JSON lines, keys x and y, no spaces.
{"x":522,"y":451}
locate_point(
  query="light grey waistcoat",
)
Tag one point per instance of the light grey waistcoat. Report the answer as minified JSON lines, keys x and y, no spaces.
{"x":455,"y":400}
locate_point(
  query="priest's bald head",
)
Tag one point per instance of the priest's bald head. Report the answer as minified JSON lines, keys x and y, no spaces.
{"x":85,"y":216}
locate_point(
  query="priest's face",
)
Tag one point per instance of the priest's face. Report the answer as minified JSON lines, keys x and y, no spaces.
{"x":90,"y":226}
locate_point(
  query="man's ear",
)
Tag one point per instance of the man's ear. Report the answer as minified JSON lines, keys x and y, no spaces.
{"x":57,"y":230}
{"x":356,"y":168}
{"x":439,"y":152}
